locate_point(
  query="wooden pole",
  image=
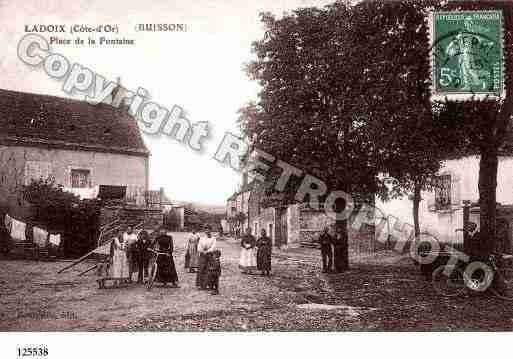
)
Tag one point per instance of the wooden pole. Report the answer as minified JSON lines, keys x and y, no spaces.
{"x":88,"y":270}
{"x":466,"y":220}
{"x":81,"y":259}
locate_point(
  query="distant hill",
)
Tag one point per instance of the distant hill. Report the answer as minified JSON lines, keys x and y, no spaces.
{"x":209,"y":208}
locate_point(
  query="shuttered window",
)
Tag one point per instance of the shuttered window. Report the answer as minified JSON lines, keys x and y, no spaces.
{"x":443,"y":192}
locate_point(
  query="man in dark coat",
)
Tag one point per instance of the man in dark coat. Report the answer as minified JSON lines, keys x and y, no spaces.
{"x":142,"y":255}
{"x":474,"y":246}
{"x":326,"y":242}
{"x":340,"y":247}
{"x":166,"y":271}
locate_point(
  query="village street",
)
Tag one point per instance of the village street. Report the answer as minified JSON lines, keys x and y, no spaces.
{"x":381,"y":292}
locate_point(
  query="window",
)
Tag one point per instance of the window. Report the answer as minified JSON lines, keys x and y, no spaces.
{"x":443,"y":192}
{"x":80,"y":178}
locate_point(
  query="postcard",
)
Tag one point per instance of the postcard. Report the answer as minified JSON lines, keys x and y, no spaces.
{"x":293,"y":169}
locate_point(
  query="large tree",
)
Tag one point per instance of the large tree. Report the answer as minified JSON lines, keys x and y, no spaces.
{"x":305,"y":112}
{"x":394,"y":92}
{"x":481,"y":125}
{"x":346,"y":95}
{"x":414,"y":133}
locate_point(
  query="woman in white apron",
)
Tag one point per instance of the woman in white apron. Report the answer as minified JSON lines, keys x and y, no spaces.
{"x":119,"y":269}
{"x":247,"y":261}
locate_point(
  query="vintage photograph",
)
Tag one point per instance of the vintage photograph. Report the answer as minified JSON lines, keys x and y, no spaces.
{"x":271,"y":166}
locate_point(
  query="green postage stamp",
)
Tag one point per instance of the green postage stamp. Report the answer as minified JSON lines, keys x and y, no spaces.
{"x":467,"y":53}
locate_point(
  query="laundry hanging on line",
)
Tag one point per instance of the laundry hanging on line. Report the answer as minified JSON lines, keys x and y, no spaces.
{"x":55,"y":239}
{"x":40,"y":236}
{"x":18,"y":230}
{"x":7,"y":222}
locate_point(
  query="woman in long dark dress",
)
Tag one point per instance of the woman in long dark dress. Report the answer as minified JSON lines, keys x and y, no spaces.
{"x":166,"y":271}
{"x":264,"y":245}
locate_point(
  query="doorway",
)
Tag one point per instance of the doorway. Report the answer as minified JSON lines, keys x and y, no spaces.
{"x":281,"y":227}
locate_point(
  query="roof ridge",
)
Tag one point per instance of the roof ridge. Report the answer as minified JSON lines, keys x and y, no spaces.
{"x":36,"y":119}
{"x":60,"y":98}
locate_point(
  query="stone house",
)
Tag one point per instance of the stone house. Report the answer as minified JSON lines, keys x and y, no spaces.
{"x":79,"y":145}
{"x":237,"y":203}
{"x":441,"y":211}
{"x":287,"y":225}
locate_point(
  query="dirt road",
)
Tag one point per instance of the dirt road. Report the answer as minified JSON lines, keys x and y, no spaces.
{"x":381,"y":292}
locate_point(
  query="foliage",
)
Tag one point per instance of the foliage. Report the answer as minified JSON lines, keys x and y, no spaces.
{"x":482,"y":125}
{"x":63,"y":212}
{"x":304,"y":114}
{"x":394,"y":92}
{"x":49,"y":201}
{"x":346,"y":95}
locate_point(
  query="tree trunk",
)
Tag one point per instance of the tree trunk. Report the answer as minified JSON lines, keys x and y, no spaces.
{"x":487,"y":200}
{"x":416,"y":204}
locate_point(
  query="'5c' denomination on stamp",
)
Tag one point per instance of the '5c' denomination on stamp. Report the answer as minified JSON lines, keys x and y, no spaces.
{"x":468,"y":53}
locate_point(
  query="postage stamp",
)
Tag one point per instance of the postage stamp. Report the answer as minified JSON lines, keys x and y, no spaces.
{"x":468,"y":52}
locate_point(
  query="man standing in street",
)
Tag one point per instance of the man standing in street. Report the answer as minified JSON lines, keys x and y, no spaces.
{"x":340,"y":248}
{"x":130,"y":238}
{"x":142,"y":255}
{"x":326,"y":242}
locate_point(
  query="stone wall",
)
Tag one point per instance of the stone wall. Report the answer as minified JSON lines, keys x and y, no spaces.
{"x":105,"y":169}
{"x":293,"y":229}
{"x":311,"y":224}
{"x":254,"y":209}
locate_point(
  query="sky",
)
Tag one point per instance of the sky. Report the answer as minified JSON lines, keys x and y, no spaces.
{"x":200,"y":70}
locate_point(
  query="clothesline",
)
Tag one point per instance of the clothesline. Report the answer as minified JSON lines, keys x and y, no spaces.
{"x":33,"y":224}
{"x":17,"y":229}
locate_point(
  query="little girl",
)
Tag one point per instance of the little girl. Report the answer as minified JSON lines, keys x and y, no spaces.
{"x":214,"y":271}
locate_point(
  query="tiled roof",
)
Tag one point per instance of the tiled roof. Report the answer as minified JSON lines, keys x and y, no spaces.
{"x":48,"y":121}
{"x":247,"y":187}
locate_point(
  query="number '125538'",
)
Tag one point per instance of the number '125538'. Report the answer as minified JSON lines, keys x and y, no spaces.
{"x":32,"y":351}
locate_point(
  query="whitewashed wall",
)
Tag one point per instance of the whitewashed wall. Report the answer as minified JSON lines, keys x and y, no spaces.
{"x":464,"y":186}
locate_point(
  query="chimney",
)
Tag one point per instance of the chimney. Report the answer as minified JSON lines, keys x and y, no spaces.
{"x":121,"y":102}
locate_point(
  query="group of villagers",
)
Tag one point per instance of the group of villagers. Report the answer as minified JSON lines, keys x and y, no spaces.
{"x":255,"y":253}
{"x":133,"y":252}
{"x":136,"y":252}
